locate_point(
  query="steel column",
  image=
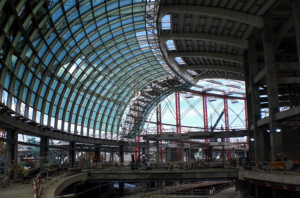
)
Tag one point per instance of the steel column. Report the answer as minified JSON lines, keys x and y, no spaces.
{"x":178,"y":116}
{"x":178,"y":121}
{"x":226,"y":116}
{"x":205,"y":120}
{"x":137,"y":150}
{"x":226,"y":124}
{"x":158,"y":119}
{"x":137,"y":138}
{"x":159,"y":125}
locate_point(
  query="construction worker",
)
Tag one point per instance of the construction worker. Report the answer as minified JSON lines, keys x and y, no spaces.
{"x":10,"y":174}
{"x":22,"y":172}
{"x":47,"y":167}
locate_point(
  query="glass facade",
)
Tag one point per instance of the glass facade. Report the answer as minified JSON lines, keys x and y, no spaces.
{"x":74,"y":65}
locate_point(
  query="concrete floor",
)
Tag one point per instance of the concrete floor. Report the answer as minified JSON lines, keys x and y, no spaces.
{"x":47,"y":189}
{"x":17,"y":190}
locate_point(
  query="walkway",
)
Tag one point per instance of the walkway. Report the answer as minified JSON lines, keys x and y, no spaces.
{"x":17,"y":190}
{"x":164,"y":174}
{"x":50,"y":187}
{"x":57,"y":184}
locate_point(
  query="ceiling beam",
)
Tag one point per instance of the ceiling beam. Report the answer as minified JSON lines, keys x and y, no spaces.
{"x":213,"y":67}
{"x":222,"y":56}
{"x":241,"y":43}
{"x":249,"y":19}
{"x":231,"y":77}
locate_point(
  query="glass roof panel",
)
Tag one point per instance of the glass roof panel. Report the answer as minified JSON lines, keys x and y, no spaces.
{"x":83,"y":65}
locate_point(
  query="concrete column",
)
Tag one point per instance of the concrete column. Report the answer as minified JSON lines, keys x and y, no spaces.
{"x":104,"y":154}
{"x":9,"y":100}
{"x":121,"y":188}
{"x":12,"y":145}
{"x":182,"y":152}
{"x":188,"y":158}
{"x":255,"y":105}
{"x":89,"y":157}
{"x":72,"y":153}
{"x":147,"y":148}
{"x":296,"y":8}
{"x":143,"y":150}
{"x":248,"y":101}
{"x":98,"y":152}
{"x":12,"y":149}
{"x":223,"y":154}
{"x":44,"y":149}
{"x":157,"y":152}
{"x":121,"y":155}
{"x":112,"y":158}
{"x":211,"y":153}
{"x":272,"y":87}
{"x":168,"y":154}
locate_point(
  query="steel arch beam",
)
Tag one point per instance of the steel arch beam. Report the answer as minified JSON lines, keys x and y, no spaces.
{"x":222,"y":56}
{"x":249,"y":19}
{"x":241,"y":43}
{"x":213,"y":67}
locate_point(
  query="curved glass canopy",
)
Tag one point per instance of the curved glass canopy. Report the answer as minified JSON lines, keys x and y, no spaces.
{"x":74,"y":65}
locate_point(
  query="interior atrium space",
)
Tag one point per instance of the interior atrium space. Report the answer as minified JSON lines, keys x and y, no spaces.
{"x":149,"y":98}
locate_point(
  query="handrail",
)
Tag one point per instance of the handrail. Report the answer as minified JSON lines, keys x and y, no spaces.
{"x":38,"y":180}
{"x":37,"y":189}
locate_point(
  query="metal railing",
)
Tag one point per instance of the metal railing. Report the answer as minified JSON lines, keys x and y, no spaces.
{"x":37,"y":187}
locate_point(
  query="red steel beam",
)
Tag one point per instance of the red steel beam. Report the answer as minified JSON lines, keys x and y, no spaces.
{"x":159,"y":125}
{"x":167,"y":124}
{"x":246,"y":114}
{"x":246,"y":119}
{"x":178,"y":121}
{"x":158,"y":120}
{"x":178,"y":116}
{"x":213,"y":95}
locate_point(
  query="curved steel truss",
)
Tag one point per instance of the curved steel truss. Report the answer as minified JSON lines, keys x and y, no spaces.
{"x":145,"y":101}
